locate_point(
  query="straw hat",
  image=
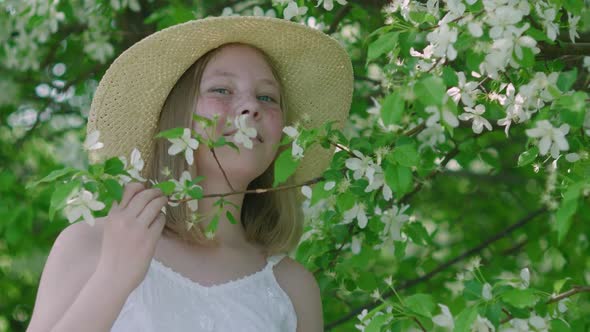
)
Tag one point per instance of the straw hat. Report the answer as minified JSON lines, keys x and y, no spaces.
{"x":315,"y":70}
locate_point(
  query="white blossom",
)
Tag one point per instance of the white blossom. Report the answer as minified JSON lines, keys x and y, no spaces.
{"x":258,"y":11}
{"x":547,"y":16}
{"x":573,"y":24}
{"x":91,"y":142}
{"x":443,"y":39}
{"x":445,"y":319}
{"x":185,"y":143}
{"x":465,"y":91}
{"x":80,"y":204}
{"x":448,"y":117}
{"x":514,"y":104}
{"x":361,"y":165}
{"x":486,"y":292}
{"x":356,"y":212}
{"x":475,"y":29}
{"x":306,"y":191}
{"x":244,"y":134}
{"x":394,"y":219}
{"x":525,"y":277}
{"x":431,"y":136}
{"x":329,"y":4}
{"x":356,"y":244}
{"x":292,"y":10}
{"x":479,"y":121}
{"x":539,"y":323}
{"x":133,"y":168}
{"x":181,"y":191}
{"x":502,"y":18}
{"x":482,"y":324}
{"x":551,"y":138}
{"x":296,"y":149}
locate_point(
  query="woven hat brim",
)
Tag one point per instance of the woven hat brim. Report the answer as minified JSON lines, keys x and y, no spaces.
{"x":315,"y":70}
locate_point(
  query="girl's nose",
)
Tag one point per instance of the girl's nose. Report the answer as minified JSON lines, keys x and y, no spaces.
{"x":254,"y":114}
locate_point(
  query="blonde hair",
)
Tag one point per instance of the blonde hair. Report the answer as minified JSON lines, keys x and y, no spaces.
{"x":272,"y":220}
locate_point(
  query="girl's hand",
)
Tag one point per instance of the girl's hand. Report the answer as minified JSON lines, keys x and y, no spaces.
{"x":131,"y":232}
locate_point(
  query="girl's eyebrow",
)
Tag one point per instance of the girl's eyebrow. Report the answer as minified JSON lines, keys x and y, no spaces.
{"x":232,"y":75}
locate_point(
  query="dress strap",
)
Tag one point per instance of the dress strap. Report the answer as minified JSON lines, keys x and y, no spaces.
{"x":275,"y":259}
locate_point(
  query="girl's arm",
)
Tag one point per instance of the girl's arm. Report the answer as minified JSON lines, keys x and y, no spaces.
{"x":72,"y":295}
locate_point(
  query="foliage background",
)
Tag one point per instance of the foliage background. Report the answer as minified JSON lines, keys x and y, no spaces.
{"x":467,"y":196}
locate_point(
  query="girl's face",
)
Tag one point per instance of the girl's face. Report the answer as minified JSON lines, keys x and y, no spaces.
{"x":238,"y":81}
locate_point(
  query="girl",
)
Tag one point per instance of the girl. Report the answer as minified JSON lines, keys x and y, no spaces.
{"x":149,"y":264}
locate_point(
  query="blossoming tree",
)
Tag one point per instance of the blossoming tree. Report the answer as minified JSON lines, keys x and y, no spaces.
{"x":456,"y":200}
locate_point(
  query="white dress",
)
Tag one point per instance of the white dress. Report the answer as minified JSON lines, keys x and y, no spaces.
{"x":167,"y":301}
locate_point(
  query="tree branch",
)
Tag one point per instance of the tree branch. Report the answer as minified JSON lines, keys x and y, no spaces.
{"x":442,"y":267}
{"x":341,"y":14}
{"x":571,"y":292}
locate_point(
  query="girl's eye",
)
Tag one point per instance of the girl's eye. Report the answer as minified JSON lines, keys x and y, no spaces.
{"x":266,"y":98}
{"x":223,"y":91}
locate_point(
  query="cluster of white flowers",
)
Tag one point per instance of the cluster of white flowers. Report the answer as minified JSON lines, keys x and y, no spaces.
{"x":534,"y":323}
{"x":185,"y":143}
{"x":393,"y":219}
{"x":79,"y":205}
{"x":245,"y":134}
{"x":296,"y":149}
{"x":22,"y":53}
{"x":122,"y":4}
{"x":550,"y":138}
{"x":365,"y":321}
{"x":292,"y":10}
{"x":182,"y":189}
{"x":364,"y":166}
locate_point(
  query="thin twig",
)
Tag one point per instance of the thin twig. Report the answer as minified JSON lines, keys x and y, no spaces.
{"x":419,"y":324}
{"x":222,"y":170}
{"x":575,"y":290}
{"x":505,"y":232}
{"x":342,"y":12}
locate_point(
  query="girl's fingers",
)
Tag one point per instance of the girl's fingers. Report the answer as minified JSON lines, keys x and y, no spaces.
{"x":151,"y":210}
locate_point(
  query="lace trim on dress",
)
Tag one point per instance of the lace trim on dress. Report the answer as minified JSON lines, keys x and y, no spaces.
{"x":271,"y":261}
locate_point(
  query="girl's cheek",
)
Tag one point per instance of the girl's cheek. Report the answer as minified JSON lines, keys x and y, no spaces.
{"x":210,"y":107}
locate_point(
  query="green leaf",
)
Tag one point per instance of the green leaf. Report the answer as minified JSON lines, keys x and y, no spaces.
{"x":385,"y":43}
{"x":528,"y":156}
{"x":345,"y":201}
{"x":376,"y":323}
{"x":572,"y":108}
{"x":558,"y":285}
{"x":170,"y":133}
{"x":567,"y":209}
{"x":450,"y":76}
{"x":285,"y":166}
{"x":114,"y":166}
{"x":520,"y":298}
{"x":55,"y":175}
{"x":472,"y":290}
{"x":167,"y":187}
{"x":417,"y":233}
{"x":465,"y":318}
{"x":566,"y":79}
{"x":405,"y":153}
{"x":574,"y":6}
{"x":430,"y":90}
{"x":558,"y":325}
{"x":528,"y":58}
{"x":230,"y":217}
{"x":399,"y":179}
{"x":212,"y":227}
{"x":60,"y":196}
{"x":420,"y":304}
{"x":114,"y":189}
{"x":392,"y":109}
